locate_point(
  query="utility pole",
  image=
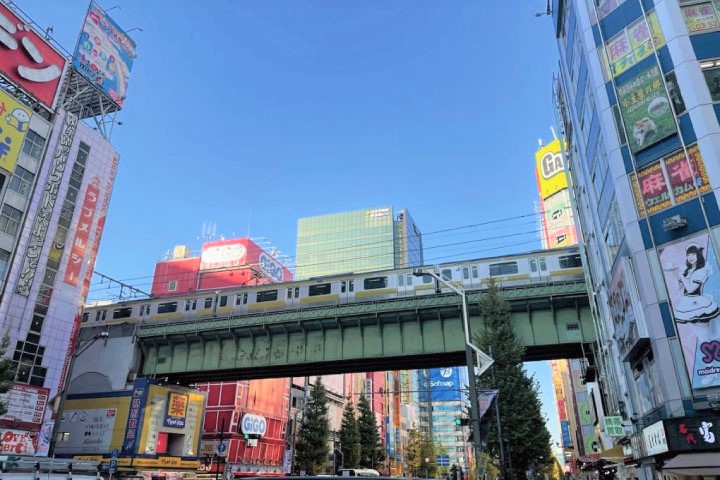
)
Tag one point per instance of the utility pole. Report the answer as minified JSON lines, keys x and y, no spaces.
{"x":218,"y":458}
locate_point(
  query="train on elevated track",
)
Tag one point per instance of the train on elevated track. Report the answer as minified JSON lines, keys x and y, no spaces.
{"x":541,"y":266}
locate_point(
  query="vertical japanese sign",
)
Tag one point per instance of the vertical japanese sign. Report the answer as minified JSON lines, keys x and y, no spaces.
{"x":14,"y":124}
{"x":105,"y":54}
{"x":82,"y":232}
{"x":176,"y":410}
{"x":137,"y":407}
{"x":645,"y":109}
{"x":612,"y":426}
{"x":27,"y":59}
{"x":690,"y":269}
{"x":651,"y":189}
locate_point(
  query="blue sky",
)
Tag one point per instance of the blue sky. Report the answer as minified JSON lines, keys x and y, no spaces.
{"x":253,"y":113}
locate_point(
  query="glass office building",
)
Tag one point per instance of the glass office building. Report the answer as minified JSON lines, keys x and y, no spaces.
{"x":638,"y":100}
{"x":359,"y":241}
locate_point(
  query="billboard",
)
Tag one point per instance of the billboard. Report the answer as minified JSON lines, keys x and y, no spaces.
{"x":690,"y":270}
{"x":550,"y":169}
{"x":670,"y":181}
{"x":445,"y":384}
{"x":104,"y":54}
{"x":623,"y":308}
{"x":558,"y":220}
{"x":25,"y":406}
{"x":14,"y":124}
{"x":223,"y":254}
{"x":27,"y":59}
{"x":645,"y":109}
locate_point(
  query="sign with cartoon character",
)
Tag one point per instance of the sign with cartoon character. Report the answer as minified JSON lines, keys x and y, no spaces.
{"x":27,"y":59}
{"x":105,"y":54}
{"x":645,"y":109}
{"x":691,"y":275}
{"x":14,"y":124}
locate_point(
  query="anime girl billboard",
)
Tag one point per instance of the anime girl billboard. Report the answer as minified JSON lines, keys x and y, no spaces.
{"x":692,"y":278}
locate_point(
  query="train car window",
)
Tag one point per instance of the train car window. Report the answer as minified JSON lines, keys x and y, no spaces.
{"x":244,"y":301}
{"x":351,"y":285}
{"x":401,"y":280}
{"x":122,"y":312}
{"x":427,"y":278}
{"x":570,"y":261}
{"x":466,"y":273}
{"x":446,"y":274}
{"x":543,"y":265}
{"x":289,"y":293}
{"x":474,"y":271}
{"x":319,"y":289}
{"x":100,"y":316}
{"x":223,"y":300}
{"x":343,"y":287}
{"x":190,"y":304}
{"x":505,"y":268}
{"x":208,"y":302}
{"x":85,"y":317}
{"x":408,"y":279}
{"x":267,"y":296}
{"x":169,"y":307}
{"x":533,"y":265}
{"x":145,"y":310}
{"x":172,"y":285}
{"x":374,"y":283}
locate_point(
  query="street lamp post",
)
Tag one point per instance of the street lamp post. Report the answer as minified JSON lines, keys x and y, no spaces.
{"x":66,"y":386}
{"x":469,"y":348}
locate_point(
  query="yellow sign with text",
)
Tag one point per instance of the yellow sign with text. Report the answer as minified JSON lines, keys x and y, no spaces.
{"x":550,"y":169}
{"x":14,"y":124}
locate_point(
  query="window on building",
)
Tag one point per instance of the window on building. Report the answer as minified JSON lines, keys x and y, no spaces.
{"x":675,"y":96}
{"x":33,"y":145}
{"x":21,"y":181}
{"x":711,"y":71}
{"x":172,"y":285}
{"x":10,"y":219}
{"x":4,"y":259}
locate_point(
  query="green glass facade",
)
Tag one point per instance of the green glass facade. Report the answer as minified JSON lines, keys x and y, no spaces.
{"x":360,"y":241}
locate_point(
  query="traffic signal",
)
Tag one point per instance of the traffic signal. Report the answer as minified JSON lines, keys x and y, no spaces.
{"x":462,"y":421}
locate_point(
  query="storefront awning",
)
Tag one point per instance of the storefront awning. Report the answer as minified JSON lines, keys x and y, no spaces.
{"x":706,"y":463}
{"x":614,"y":454}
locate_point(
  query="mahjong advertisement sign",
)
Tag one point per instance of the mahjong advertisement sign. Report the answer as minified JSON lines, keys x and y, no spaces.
{"x":645,"y":109}
{"x":691,"y":274}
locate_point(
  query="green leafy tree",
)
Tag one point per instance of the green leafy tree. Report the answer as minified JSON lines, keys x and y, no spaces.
{"x":312,"y":448}
{"x":413,"y":454}
{"x":371,"y":450}
{"x":525,"y":435}
{"x":350,"y":437}
{"x":421,"y":453}
{"x":7,"y":371}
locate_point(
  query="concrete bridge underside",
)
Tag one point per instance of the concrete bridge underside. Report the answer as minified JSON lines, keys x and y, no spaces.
{"x":553,"y":320}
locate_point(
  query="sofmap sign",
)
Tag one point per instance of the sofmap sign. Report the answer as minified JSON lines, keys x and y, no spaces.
{"x":445,"y":384}
{"x":253,"y":424}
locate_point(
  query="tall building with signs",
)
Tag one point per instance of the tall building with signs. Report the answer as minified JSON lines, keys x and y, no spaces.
{"x":57,"y":168}
{"x":638,"y":100}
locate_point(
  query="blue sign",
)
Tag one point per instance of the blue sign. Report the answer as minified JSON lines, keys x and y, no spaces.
{"x":445,"y":384}
{"x":443,"y":460}
{"x":113,"y":465}
{"x":221,"y":448}
{"x":565,"y":428}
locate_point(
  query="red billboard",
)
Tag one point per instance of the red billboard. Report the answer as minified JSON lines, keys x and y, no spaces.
{"x":27,"y":59}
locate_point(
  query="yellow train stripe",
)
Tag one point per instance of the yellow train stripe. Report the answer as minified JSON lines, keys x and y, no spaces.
{"x":263,"y":305}
{"x":370,"y":293}
{"x":567,"y":271}
{"x":225,"y":309}
{"x":166,"y":316}
{"x":321,"y":298}
{"x":508,"y":278}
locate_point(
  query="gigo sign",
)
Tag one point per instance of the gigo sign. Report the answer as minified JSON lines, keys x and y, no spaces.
{"x":253,"y":424}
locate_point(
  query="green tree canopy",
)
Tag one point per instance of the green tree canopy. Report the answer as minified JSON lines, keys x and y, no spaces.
{"x":312,"y":448}
{"x":350,"y":438}
{"x":7,"y":371}
{"x":371,"y":450}
{"x":525,"y":435}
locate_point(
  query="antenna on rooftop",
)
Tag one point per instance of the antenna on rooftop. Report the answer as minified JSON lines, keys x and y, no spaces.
{"x":208,"y":231}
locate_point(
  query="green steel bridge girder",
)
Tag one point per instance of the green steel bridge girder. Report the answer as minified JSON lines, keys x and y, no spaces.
{"x":553,"y":320}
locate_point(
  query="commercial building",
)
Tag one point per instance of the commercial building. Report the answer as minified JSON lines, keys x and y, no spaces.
{"x":56,"y":178}
{"x":638,"y":99}
{"x":448,"y":404}
{"x":362,"y":241}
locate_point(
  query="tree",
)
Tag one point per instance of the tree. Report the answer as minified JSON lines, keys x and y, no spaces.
{"x":413,"y":454}
{"x":371,"y":450}
{"x":421,"y":447}
{"x":312,"y":447}
{"x":350,"y":437}
{"x":524,"y":432}
{"x":7,"y":371}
